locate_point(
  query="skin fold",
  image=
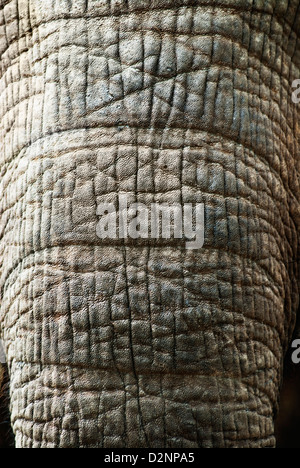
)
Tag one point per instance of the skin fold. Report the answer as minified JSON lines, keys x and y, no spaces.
{"x":114,"y":343}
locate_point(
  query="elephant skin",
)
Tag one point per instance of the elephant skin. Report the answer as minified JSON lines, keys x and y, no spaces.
{"x":114,"y":344}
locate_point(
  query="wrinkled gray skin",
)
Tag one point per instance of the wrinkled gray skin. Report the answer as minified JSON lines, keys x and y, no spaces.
{"x":114,"y":344}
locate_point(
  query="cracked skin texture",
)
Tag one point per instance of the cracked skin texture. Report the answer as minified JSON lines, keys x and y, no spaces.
{"x":148,"y":345}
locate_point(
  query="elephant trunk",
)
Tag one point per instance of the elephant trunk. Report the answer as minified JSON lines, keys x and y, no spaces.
{"x":115,"y":343}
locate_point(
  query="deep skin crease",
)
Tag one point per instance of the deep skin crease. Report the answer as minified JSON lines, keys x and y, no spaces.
{"x":171,"y":101}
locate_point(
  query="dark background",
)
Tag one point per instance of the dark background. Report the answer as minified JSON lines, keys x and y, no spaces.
{"x":288,"y":419}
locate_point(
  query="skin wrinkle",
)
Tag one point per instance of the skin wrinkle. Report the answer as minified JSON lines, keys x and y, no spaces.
{"x":219,"y":36}
{"x":12,"y":170}
{"x":233,"y":9}
{"x":148,"y":345}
